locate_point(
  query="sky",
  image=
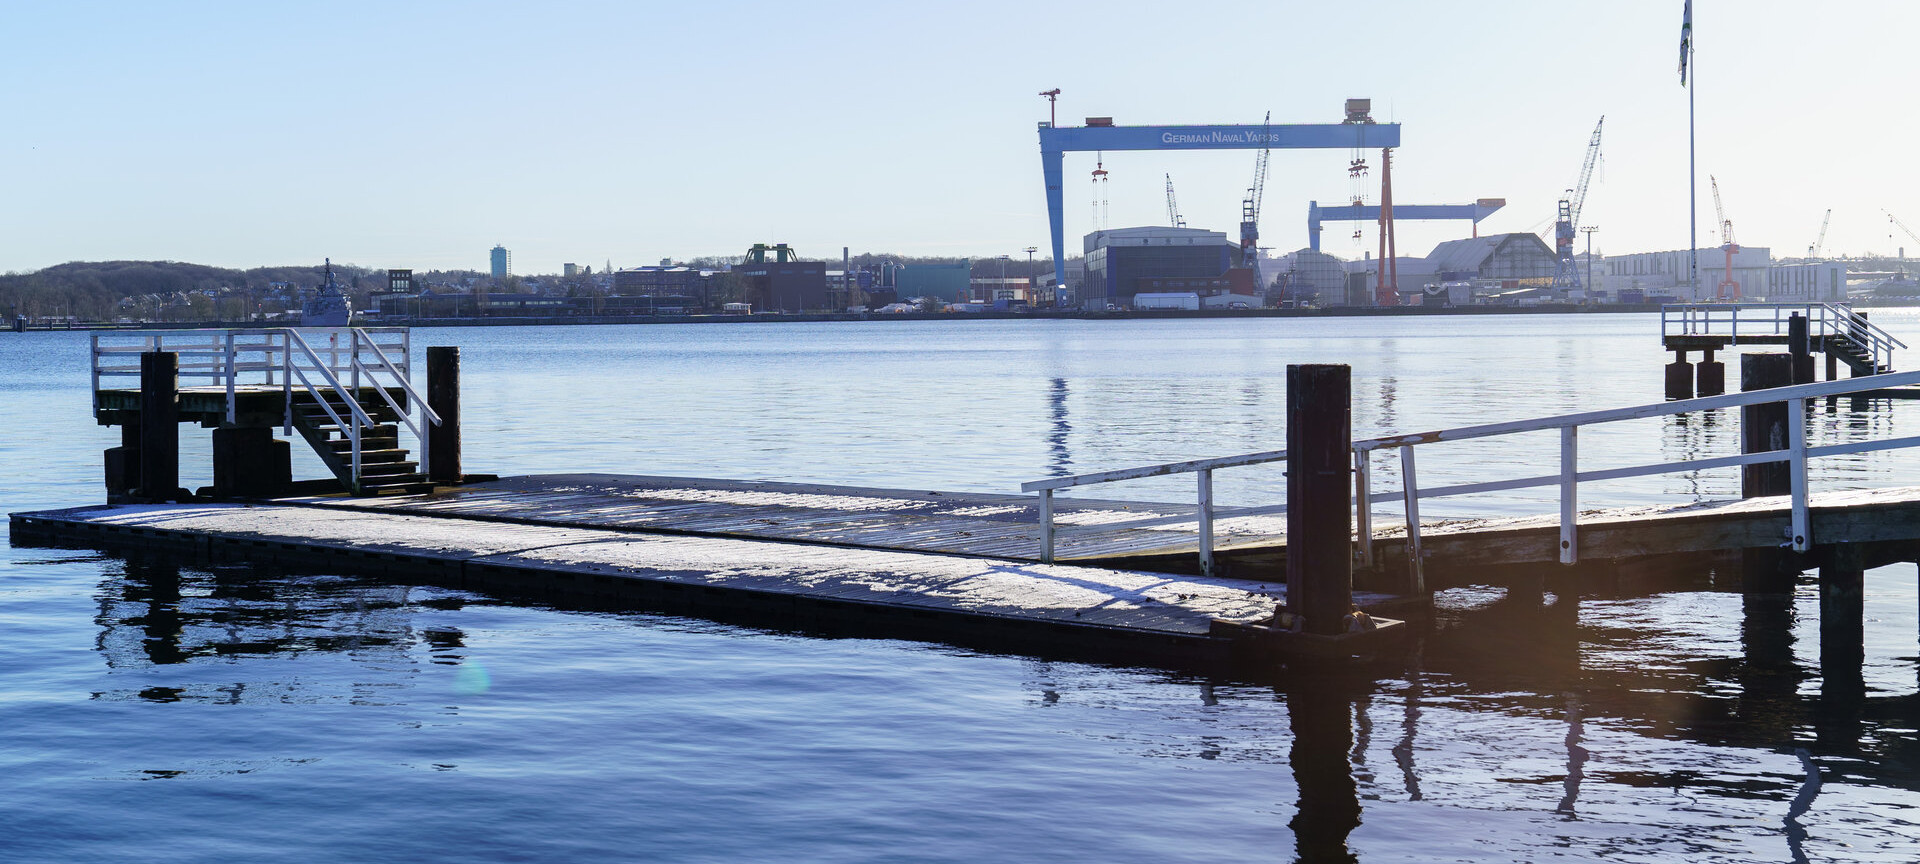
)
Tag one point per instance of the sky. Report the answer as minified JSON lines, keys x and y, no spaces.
{"x":420,"y":134}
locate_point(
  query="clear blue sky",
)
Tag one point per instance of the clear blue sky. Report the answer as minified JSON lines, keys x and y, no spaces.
{"x":421,"y":134}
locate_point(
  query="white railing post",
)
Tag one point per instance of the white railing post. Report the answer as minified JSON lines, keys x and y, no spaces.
{"x":95,"y":336}
{"x":1410,"y":488}
{"x":1797,"y":472}
{"x":1046,"y":526}
{"x":1363,"y":504}
{"x":232,"y":410}
{"x":1206,"y":522}
{"x":286,"y":380}
{"x":1569,"y":495}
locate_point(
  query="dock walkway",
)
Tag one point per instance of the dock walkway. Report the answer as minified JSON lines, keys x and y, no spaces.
{"x":1062,"y":603}
{"x":1005,"y":527}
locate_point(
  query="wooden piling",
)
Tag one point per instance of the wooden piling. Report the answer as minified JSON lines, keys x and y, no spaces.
{"x":1763,"y":428}
{"x":159,"y":425}
{"x":123,"y":465}
{"x":248,"y":462}
{"x":1800,"y":349}
{"x":1679,"y":377}
{"x":1319,"y":503}
{"x":1842,"y":608}
{"x":443,"y":396}
{"x":1710,"y":375}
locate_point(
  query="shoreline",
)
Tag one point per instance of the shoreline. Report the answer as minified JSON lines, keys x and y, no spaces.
{"x":817,"y":317}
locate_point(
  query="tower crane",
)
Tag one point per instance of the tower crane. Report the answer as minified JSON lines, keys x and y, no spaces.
{"x":1568,"y":222}
{"x":1250,"y":206}
{"x":1902,"y":226}
{"x":1820,"y":241}
{"x":1173,"y":207}
{"x":1728,"y":289}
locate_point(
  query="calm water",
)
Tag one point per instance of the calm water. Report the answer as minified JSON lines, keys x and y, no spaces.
{"x":165,"y":712}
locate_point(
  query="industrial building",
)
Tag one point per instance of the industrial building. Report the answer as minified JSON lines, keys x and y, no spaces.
{"x":501,"y":265}
{"x":784,"y":284}
{"x":943,"y":281}
{"x":662,"y":281}
{"x":1515,"y":260}
{"x":1124,"y":261}
{"x":1656,"y":274}
{"x":1307,"y":277}
{"x":1810,"y":282}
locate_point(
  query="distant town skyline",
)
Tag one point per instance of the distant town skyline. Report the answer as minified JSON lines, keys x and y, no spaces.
{"x":422,"y":134}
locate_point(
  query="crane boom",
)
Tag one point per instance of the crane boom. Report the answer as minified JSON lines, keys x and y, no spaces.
{"x":1901,"y":225}
{"x":1586,"y":171}
{"x":1173,"y":207}
{"x":1250,"y":206}
{"x":1820,"y":241}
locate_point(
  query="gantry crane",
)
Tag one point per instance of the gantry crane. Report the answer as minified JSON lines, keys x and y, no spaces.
{"x":1567,"y":223}
{"x":1250,"y":206}
{"x":1820,"y":241}
{"x":1173,"y":207}
{"x":1728,"y":289}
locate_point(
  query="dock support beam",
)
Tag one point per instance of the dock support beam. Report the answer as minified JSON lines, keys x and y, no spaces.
{"x":1763,"y":428}
{"x":159,"y":426}
{"x":443,"y":396}
{"x":123,"y":465}
{"x":1679,"y":377}
{"x":1710,"y":374}
{"x":1319,"y":483}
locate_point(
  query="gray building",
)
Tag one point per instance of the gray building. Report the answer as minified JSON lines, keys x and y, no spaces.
{"x":1518,"y":258}
{"x":1665,"y":273}
{"x":501,"y":266}
{"x":1123,"y":261}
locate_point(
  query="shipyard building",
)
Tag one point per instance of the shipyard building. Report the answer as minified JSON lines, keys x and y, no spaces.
{"x":1122,"y":262}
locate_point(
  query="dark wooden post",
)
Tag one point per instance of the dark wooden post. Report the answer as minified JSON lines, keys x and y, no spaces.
{"x":1319,"y":502}
{"x":1763,"y":428}
{"x":159,"y":425}
{"x":248,"y":462}
{"x":1842,"y":610}
{"x":1679,"y":377}
{"x":1799,"y":349}
{"x":1710,"y":374}
{"x":443,"y":396}
{"x":123,"y":463}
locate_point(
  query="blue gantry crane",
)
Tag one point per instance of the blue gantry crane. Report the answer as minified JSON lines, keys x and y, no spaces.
{"x":1100,"y":134}
{"x":1474,"y":212}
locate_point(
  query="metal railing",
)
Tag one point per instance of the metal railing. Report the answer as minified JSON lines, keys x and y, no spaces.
{"x":321,"y":362}
{"x":1824,"y":321}
{"x":1567,"y":478}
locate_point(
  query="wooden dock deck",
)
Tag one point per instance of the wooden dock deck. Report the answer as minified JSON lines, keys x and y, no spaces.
{"x":1005,"y":527}
{"x":1132,"y":613}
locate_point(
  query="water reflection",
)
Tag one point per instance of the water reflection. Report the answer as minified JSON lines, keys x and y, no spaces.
{"x":1059,"y":457}
{"x":1320,"y":718}
{"x":153,"y":612}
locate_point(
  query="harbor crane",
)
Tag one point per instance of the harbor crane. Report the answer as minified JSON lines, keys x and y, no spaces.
{"x":1250,"y":206}
{"x":1820,"y":241}
{"x":1902,"y":226}
{"x":1728,"y":288}
{"x":1173,"y":207}
{"x":1566,"y":275}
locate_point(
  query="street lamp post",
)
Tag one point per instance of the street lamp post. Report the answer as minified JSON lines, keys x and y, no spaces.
{"x":1032,"y":287}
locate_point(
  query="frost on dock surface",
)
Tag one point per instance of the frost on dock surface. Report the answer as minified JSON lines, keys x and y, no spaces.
{"x":1060,"y":593}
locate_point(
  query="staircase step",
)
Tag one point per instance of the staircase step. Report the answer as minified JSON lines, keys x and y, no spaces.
{"x":371,"y":456}
{"x":416,"y":484}
{"x":387,"y":469}
{"x":367,"y":442}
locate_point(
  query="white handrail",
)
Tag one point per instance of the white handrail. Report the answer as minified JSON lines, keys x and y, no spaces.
{"x":1568,"y":477}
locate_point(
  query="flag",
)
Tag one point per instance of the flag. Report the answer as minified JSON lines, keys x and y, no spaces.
{"x":1686,"y":39}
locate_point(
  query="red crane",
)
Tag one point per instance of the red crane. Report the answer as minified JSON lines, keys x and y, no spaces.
{"x":1728,"y":289}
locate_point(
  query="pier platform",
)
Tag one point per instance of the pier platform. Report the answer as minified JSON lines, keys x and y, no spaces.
{"x":968,"y":600}
{"x":1005,"y":527}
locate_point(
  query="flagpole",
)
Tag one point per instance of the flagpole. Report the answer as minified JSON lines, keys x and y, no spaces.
{"x":1693,"y":179}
